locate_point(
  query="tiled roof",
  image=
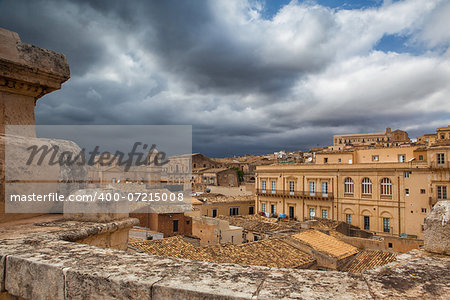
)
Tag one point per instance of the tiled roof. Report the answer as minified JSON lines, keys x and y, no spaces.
{"x":369,"y":259}
{"x":174,"y":246}
{"x":271,"y":252}
{"x":261,"y":224}
{"x":216,"y":198}
{"x":326,"y":244}
{"x":135,"y":188}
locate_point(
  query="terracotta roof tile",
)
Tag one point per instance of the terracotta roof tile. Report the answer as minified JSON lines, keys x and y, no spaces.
{"x":369,"y":259}
{"x":271,"y":252}
{"x":326,"y":243}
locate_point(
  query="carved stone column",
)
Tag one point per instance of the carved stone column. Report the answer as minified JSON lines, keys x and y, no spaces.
{"x":26,"y":74}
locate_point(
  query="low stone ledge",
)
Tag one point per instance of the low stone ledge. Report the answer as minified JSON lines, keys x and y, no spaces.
{"x":40,"y":266}
{"x":95,"y":229}
{"x":33,"y":278}
{"x":415,"y":274}
{"x":2,"y":273}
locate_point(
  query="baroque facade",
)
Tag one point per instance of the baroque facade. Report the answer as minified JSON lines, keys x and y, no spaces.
{"x":388,"y":191}
{"x":388,"y":138}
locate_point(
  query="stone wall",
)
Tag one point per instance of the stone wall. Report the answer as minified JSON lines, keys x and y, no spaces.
{"x":115,"y":240}
{"x":43,"y":266}
{"x":437,"y":228}
{"x":392,"y":243}
{"x":26,"y":74}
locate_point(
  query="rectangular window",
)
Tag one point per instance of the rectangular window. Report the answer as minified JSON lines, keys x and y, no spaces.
{"x":348,"y":219}
{"x":291,"y":212}
{"x":375,"y":158}
{"x":175,"y":225}
{"x":214,"y":212}
{"x":251,"y":210}
{"x":440,"y":158}
{"x":234,"y":211}
{"x":366,"y":222}
{"x":312,"y":188}
{"x":422,"y":191}
{"x":441,"y":192}
{"x":273,"y":186}
{"x":291,"y":187}
{"x":386,"y":225}
{"x":424,"y":210}
{"x":325,"y":189}
{"x":263,"y":186}
{"x":312,"y":213}
{"x":325,"y":160}
{"x":272,"y":209}
{"x":263,"y":207}
{"x":406,"y":192}
{"x":339,"y":160}
{"x":406,"y":174}
{"x":324,"y":213}
{"x":401,"y":158}
{"x":420,"y":157}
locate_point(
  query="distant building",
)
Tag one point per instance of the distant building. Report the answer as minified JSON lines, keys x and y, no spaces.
{"x":169,"y":224}
{"x":388,"y":191}
{"x":442,"y":135}
{"x":214,"y":231}
{"x":219,"y":205}
{"x":388,"y":139}
{"x":216,"y":177}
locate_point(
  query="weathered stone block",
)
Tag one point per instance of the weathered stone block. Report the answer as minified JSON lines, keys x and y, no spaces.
{"x":201,"y":280}
{"x":306,"y":284}
{"x":31,"y":278}
{"x":119,"y":239}
{"x":29,"y":172}
{"x":437,"y":229}
{"x":81,"y":285}
{"x":2,"y":272}
{"x":29,"y":70}
{"x":415,"y":275}
{"x":99,"y":209}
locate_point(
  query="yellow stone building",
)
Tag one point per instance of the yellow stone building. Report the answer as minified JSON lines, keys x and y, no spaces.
{"x":388,"y":138}
{"x":388,"y":191}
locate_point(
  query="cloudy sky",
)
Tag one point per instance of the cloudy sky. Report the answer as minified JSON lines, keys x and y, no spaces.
{"x":250,"y":76}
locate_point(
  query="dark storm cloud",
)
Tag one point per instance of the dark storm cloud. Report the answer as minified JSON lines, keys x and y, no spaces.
{"x":56,"y":26}
{"x":192,"y":42}
{"x":246,"y":84}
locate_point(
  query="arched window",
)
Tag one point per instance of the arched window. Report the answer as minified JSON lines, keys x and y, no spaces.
{"x":366,"y":186}
{"x":386,"y":186}
{"x":348,"y":185}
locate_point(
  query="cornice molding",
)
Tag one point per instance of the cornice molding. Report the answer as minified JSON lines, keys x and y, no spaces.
{"x":20,"y":79}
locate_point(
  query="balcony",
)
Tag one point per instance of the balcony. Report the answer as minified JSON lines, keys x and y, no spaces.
{"x":436,"y":165}
{"x":295,"y":194}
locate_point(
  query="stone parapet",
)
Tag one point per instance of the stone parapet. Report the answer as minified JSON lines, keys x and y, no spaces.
{"x":39,"y":265}
{"x":29,"y":70}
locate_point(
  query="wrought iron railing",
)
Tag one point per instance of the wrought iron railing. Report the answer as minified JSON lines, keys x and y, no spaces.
{"x":293,"y":193}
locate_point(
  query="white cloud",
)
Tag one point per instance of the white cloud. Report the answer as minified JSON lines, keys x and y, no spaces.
{"x":239,"y":77}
